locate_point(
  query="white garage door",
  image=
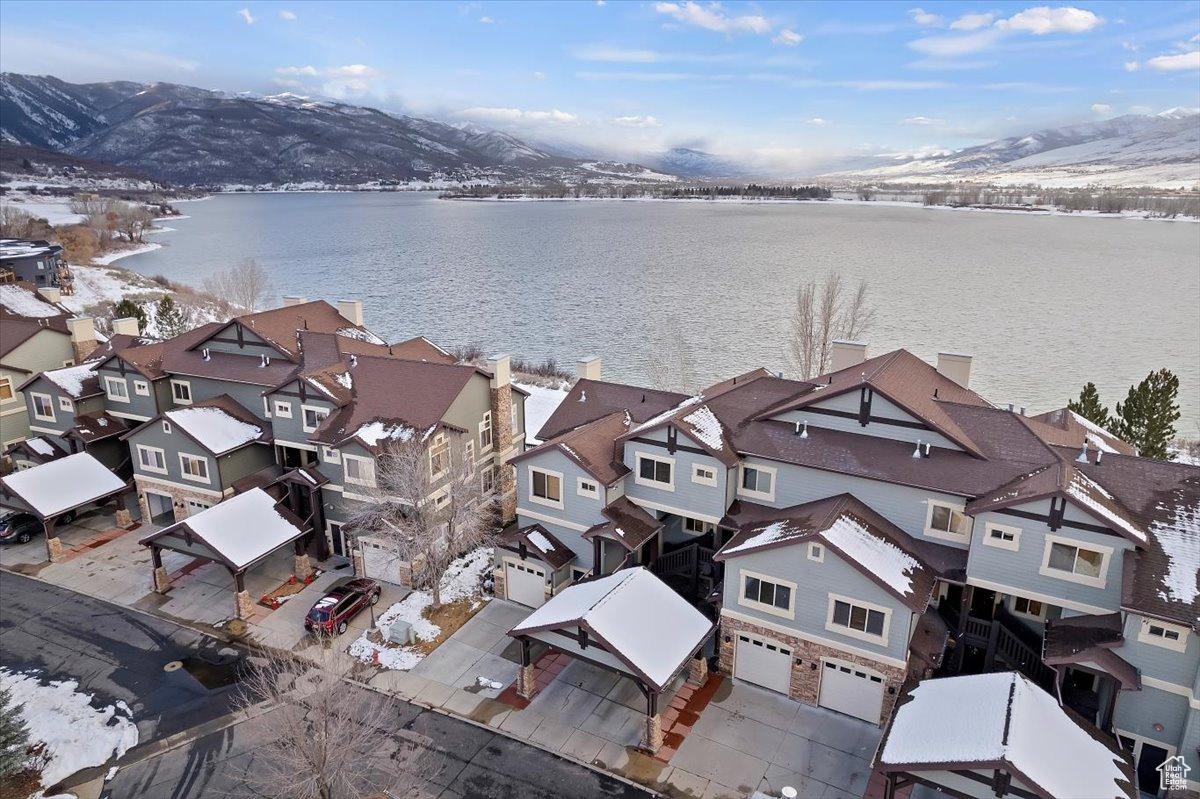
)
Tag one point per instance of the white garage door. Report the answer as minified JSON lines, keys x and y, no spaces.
{"x":380,"y":562}
{"x":763,"y":662}
{"x":851,"y":689}
{"x":525,"y":583}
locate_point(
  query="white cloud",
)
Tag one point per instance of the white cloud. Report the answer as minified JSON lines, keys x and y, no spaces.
{"x":245,"y":14}
{"x":518,"y":115}
{"x":600,"y":3}
{"x":352,"y":71}
{"x":485,"y":20}
{"x":617,"y":55}
{"x":341,"y":82}
{"x":788,"y":38}
{"x":816,"y":121}
{"x":958,"y":45}
{"x":922,"y":121}
{"x":539,"y":76}
{"x":925,"y":19}
{"x":1175,"y":63}
{"x":1101,"y":108}
{"x":1043,"y":19}
{"x":712,"y":17}
{"x":1130,"y":46}
{"x":943,"y":64}
{"x":637,"y":122}
{"x":971,"y":22}
{"x":288,"y":15}
{"x":306,"y":70}
{"x":643,"y":77}
{"x":1132,"y":66}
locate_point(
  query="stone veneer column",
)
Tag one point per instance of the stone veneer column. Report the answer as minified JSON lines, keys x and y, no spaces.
{"x":243,"y":604}
{"x":303,"y":567}
{"x":162,"y":583}
{"x":54,"y":549}
{"x":698,"y":671}
{"x":502,"y":433}
{"x":652,"y":736}
{"x":499,"y":588}
{"x":124,"y":519}
{"x":525,"y":685}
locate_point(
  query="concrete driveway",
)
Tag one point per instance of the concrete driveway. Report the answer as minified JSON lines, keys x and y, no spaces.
{"x":31,"y":557}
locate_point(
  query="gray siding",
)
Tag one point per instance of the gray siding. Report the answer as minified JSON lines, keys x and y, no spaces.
{"x":579,"y":510}
{"x":1138,"y":712}
{"x":63,"y":420}
{"x":172,"y":444}
{"x":143,"y":406}
{"x":694,"y":499}
{"x":204,"y":388}
{"x":292,"y":429}
{"x":1178,"y":668}
{"x":880,"y":407}
{"x":468,"y":409}
{"x":245,"y":461}
{"x":252,"y":343}
{"x":815,"y":581}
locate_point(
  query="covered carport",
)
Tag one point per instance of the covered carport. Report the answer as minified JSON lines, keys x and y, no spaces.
{"x":629,"y":622}
{"x":56,"y":490}
{"x":239,"y":534}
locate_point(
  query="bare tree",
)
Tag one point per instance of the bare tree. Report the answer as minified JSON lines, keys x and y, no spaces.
{"x":133,"y":220}
{"x":824,"y":313}
{"x":244,"y":285}
{"x":429,"y":504}
{"x":328,"y":739}
{"x":15,"y":223}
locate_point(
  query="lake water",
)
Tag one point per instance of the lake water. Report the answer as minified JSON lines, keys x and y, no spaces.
{"x":1043,"y":303}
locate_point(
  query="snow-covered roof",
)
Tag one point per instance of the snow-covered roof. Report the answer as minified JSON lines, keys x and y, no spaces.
{"x":875,"y":554}
{"x":71,"y":379}
{"x":215,"y":429}
{"x":633,"y":615}
{"x":19,"y":301}
{"x":240,"y":531}
{"x":372,"y":433}
{"x":61,"y":485}
{"x":986,"y":718}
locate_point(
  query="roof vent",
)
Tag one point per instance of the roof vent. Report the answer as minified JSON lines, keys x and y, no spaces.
{"x":802,"y":431}
{"x":583,"y":396}
{"x":1010,"y":407}
{"x":1083,"y":458}
{"x":353,"y":361}
{"x":1022,"y":410}
{"x":204,"y":352}
{"x":917,"y":451}
{"x":262,"y":361}
{"x":928,"y":450}
{"x":1099,"y":455}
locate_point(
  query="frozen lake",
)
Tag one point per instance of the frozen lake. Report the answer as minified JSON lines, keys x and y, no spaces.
{"x":1043,"y":303}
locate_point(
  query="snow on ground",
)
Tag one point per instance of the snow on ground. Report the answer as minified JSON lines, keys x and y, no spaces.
{"x":462,"y":581}
{"x":77,"y":735}
{"x":109,"y":257}
{"x":56,"y":211}
{"x":98,"y":284}
{"x":539,"y":406}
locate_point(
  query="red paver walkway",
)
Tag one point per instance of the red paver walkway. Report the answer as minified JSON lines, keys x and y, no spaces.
{"x":93,"y":542}
{"x":545,"y":669}
{"x":683,"y":713}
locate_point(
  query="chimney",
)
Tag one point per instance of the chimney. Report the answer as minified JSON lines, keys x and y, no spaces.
{"x":51,"y":293}
{"x":843,"y":354}
{"x":127,"y":326}
{"x":501,"y":368}
{"x":351,"y":311}
{"x":83,"y":336}
{"x":503,"y":433}
{"x":955,"y":366}
{"x":588,"y":368}
{"x":292,"y":299}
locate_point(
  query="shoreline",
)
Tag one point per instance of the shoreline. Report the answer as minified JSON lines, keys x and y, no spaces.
{"x":110,"y":257}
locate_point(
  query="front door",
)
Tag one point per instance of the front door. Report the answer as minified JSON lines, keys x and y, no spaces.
{"x":1149,"y":759}
{"x":336,"y":540}
{"x":983,"y":603}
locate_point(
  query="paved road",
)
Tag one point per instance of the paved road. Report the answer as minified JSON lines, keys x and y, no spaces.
{"x":116,"y":654}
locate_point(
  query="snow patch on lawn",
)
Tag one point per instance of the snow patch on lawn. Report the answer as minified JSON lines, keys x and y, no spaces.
{"x":109,"y":257}
{"x":463,"y":580}
{"x":77,"y":735}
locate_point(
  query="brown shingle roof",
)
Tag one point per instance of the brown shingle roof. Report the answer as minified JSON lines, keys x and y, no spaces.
{"x":593,"y":446}
{"x":96,"y":427}
{"x":281,"y":327}
{"x":1066,"y":428}
{"x":588,"y":400}
{"x":539,"y":542}
{"x":628,"y":524}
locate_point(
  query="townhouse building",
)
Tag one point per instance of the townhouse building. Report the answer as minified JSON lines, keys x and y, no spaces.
{"x":880,"y":524}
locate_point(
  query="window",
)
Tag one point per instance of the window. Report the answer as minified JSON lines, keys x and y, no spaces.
{"x":166,"y":427}
{"x":469,"y":453}
{"x":697,"y":526}
{"x":588,"y":488}
{"x":181,"y":392}
{"x":6,"y":389}
{"x":330,"y":455}
{"x":193,"y":468}
{"x":516,"y":427}
{"x":1029,"y":607}
{"x":487,"y":480}
{"x":545,"y":487}
{"x":313,"y":417}
{"x":441,"y":499}
{"x":116,"y":389}
{"x":767,"y":594}
{"x":1001,"y":537}
{"x":757,"y":481}
{"x":485,"y":432}
{"x":65,"y":404}
{"x":816,"y":552}
{"x":947,"y":522}
{"x":655,"y":471}
{"x":705,"y":475}
{"x":359,"y":471}
{"x":152,"y":459}
{"x":283,"y":409}
{"x":1161,"y":633}
{"x":439,"y":456}
{"x":857,"y":619}
{"x":43,"y":407}
{"x":1075,"y":561}
{"x":141,"y":388}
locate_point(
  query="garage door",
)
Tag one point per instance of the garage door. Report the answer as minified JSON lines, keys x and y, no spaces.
{"x":763,"y":662}
{"x":525,"y":583}
{"x":851,"y":689}
{"x":380,"y":562}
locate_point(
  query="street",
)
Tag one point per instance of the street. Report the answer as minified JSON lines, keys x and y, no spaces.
{"x":118,"y":654}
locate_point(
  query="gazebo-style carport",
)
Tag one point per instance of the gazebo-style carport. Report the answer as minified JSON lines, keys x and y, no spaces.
{"x":629,"y":622}
{"x":239,"y":534}
{"x":58,"y":488}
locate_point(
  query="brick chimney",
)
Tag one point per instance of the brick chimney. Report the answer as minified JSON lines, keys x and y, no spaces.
{"x":292,"y":299}
{"x":83,"y":336}
{"x":51,"y":293}
{"x":588,"y":368}
{"x":843,"y":354}
{"x":351,"y":311}
{"x":502,"y":433}
{"x":955,"y":366}
{"x":126,"y":327}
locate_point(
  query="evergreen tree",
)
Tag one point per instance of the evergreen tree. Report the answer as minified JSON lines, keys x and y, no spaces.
{"x":14,"y":737}
{"x":1147,"y":417}
{"x":169,"y":317}
{"x":1088,"y":406}
{"x":128,"y":308}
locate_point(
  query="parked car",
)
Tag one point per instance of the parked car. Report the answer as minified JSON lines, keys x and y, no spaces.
{"x":344,"y":600}
{"x":17,"y":527}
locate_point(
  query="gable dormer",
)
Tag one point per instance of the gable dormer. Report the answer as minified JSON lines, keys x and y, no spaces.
{"x":238,"y":339}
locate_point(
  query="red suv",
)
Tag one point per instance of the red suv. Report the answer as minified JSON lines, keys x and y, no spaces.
{"x":344,"y":600}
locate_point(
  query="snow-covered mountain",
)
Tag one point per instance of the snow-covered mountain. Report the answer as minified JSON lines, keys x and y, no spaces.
{"x":698,"y":164}
{"x":1161,"y":150}
{"x":193,"y":136}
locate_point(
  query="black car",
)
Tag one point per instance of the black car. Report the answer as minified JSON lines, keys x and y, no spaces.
{"x":343,"y":600}
{"x":17,"y":527}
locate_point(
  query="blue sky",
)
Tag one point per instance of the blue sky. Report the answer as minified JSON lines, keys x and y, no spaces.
{"x":777,"y":83}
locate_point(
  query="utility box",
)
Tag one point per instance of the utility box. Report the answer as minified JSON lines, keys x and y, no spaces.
{"x":401,"y":632}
